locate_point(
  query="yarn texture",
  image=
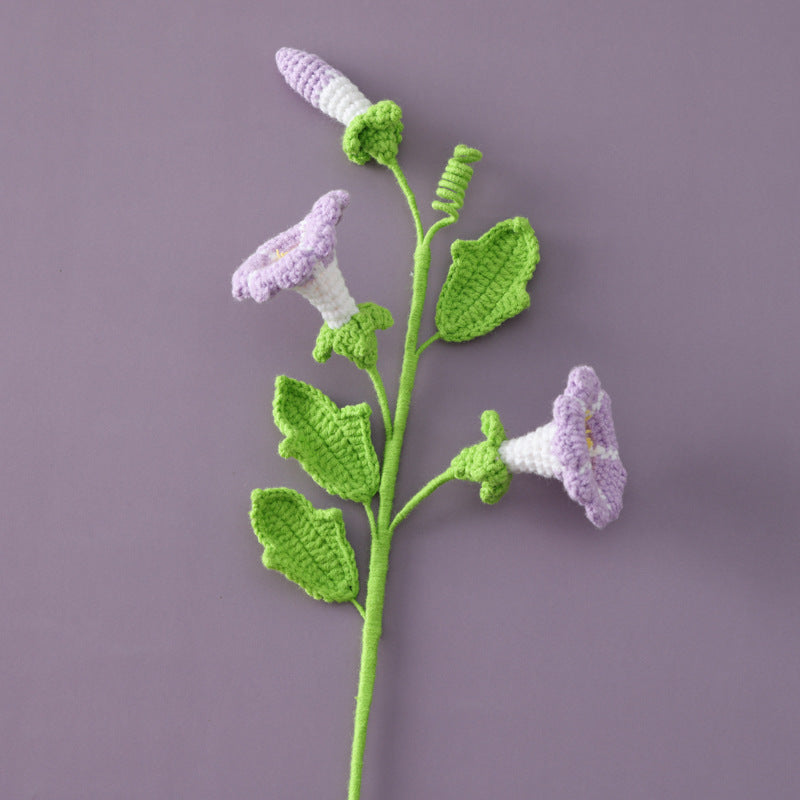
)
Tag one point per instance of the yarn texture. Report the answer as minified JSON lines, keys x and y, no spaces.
{"x":585,"y":444}
{"x":482,"y":463}
{"x":356,"y":339}
{"x":486,"y":282}
{"x":288,"y":260}
{"x":454,"y":181}
{"x":305,"y":544}
{"x":578,"y":447}
{"x":376,"y":133}
{"x":332,"y":444}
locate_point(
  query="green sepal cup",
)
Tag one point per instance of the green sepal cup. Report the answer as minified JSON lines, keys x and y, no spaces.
{"x":482,"y":463}
{"x":356,"y":339}
{"x":376,"y":133}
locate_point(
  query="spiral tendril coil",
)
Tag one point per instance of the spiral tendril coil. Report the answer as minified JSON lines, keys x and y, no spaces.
{"x":454,"y":181}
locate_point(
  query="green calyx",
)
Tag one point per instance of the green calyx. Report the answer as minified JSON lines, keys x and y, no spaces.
{"x":376,"y":133}
{"x":482,"y":463}
{"x":356,"y":339}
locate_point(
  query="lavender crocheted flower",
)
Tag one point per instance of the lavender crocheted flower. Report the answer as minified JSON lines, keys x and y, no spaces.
{"x":579,"y":447}
{"x":303,"y":258}
{"x":585,"y":443}
{"x":374,"y":130}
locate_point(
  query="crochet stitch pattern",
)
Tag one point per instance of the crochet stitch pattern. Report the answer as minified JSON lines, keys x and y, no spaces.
{"x":486,"y":282}
{"x":308,"y":546}
{"x":333,"y":444}
{"x":486,"y":285}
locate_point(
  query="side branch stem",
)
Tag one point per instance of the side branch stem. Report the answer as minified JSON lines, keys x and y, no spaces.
{"x":383,"y":401}
{"x":428,"y":342}
{"x":410,"y":199}
{"x":426,"y":491}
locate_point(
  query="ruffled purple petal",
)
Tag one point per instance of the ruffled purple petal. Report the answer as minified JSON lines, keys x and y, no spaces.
{"x":583,"y":384}
{"x":292,"y":270}
{"x":593,"y":476}
{"x":263,"y":258}
{"x":288,"y":260}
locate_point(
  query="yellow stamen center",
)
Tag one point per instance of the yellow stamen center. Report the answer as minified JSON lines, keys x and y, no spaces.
{"x":589,"y":442}
{"x":281,"y":253}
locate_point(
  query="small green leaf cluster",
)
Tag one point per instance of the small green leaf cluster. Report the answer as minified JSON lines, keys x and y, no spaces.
{"x":356,"y":339}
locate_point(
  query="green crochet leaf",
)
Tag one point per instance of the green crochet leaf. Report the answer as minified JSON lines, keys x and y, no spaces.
{"x":356,"y":339}
{"x":376,"y":133}
{"x":332,"y":444}
{"x":482,"y":463}
{"x":307,"y":545}
{"x":486,"y":282}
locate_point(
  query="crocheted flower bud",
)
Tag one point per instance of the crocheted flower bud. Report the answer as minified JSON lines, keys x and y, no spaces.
{"x":321,"y":85}
{"x":578,"y":447}
{"x":373,"y":130}
{"x":303,"y":258}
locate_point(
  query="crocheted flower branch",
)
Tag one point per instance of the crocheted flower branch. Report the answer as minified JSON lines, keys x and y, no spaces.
{"x":486,"y":285}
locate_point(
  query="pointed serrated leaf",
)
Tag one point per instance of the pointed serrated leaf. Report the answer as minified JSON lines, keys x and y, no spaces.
{"x":332,"y":444}
{"x":305,"y":544}
{"x":486,"y":282}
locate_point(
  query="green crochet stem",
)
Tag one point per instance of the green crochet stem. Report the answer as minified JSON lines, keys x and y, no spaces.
{"x":383,"y":401}
{"x":370,"y":517}
{"x":427,"y":343}
{"x":428,"y":489}
{"x":384,"y":528}
{"x":359,"y":608}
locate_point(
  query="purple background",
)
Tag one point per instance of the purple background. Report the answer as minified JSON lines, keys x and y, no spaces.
{"x":145,"y":149}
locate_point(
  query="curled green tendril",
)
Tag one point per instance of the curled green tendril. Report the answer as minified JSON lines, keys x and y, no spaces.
{"x":454,"y":181}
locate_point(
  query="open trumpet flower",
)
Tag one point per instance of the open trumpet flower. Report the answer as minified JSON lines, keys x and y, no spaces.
{"x":578,"y":447}
{"x":302,"y":258}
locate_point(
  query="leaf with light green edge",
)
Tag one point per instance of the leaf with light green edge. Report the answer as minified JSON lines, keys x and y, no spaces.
{"x":306,"y":544}
{"x":486,"y":282}
{"x":332,"y":444}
